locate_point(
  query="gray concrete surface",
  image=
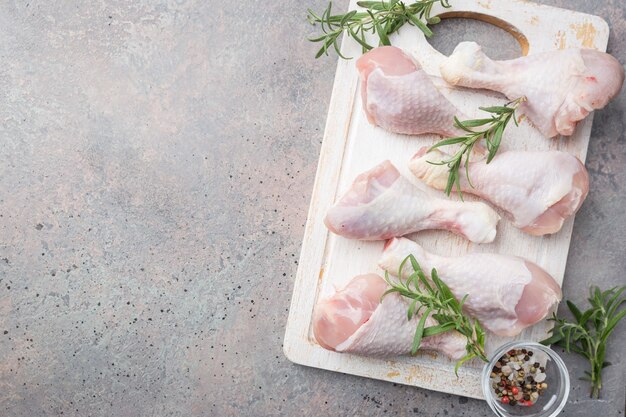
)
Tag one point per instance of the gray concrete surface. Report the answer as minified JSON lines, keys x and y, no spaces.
{"x":156,"y":163}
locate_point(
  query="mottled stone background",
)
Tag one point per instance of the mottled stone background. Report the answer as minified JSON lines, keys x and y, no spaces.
{"x":156,"y":163}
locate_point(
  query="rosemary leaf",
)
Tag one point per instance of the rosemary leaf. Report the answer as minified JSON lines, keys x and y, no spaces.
{"x":437,"y":300}
{"x":440,"y":328}
{"x":588,"y":335}
{"x":492,"y":134}
{"x":462,"y":361}
{"x":496,"y":109}
{"x":475,"y":123}
{"x":419,"y":331}
{"x":445,"y":142}
{"x":421,"y":25}
{"x":381,"y":18}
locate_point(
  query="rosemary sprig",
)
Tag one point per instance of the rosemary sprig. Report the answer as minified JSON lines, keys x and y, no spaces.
{"x":492,"y":133}
{"x":434,"y":297}
{"x":381,"y":18}
{"x":588,"y":334}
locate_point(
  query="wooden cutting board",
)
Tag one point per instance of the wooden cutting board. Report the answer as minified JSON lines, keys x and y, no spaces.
{"x":351,"y":145}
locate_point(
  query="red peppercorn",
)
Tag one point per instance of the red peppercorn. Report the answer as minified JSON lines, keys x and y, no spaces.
{"x":505,"y":400}
{"x":515,"y":390}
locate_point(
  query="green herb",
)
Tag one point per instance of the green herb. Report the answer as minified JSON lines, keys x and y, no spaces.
{"x":492,"y":133}
{"x":381,"y":18}
{"x":434,"y":297}
{"x":589,"y":333}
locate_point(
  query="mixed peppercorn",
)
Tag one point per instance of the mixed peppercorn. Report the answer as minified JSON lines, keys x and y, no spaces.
{"x":517,"y":379}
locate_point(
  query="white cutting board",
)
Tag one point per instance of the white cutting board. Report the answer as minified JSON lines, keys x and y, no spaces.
{"x":351,"y":145}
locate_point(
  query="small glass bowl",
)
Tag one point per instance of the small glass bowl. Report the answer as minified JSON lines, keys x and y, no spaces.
{"x":553,"y":399}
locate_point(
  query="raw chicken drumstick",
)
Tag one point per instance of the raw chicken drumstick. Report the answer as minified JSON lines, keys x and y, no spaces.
{"x":382,"y":204}
{"x":561,"y":87}
{"x":505,"y":293}
{"x":355,"y":320}
{"x":401,"y":98}
{"x":538,"y":190}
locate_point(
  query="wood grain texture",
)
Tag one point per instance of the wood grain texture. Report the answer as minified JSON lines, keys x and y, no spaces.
{"x":351,"y":145}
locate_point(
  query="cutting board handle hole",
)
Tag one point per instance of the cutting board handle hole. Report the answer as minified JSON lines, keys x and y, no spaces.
{"x":459,"y":26}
